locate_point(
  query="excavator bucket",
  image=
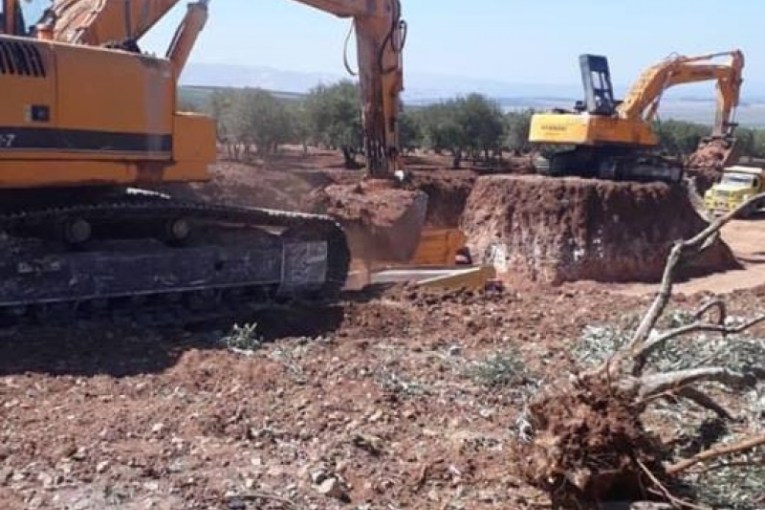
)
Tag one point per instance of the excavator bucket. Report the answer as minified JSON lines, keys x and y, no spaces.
{"x":382,"y":223}
{"x":732,"y":153}
{"x":715,"y":152}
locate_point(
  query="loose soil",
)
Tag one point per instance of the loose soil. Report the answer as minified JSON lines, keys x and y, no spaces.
{"x":290,"y":181}
{"x":713,"y":155}
{"x":557,"y":230}
{"x":589,"y":445}
{"x":448,"y":191}
{"x":707,"y":163}
{"x":406,"y":399}
{"x":746,"y":238}
{"x":381,"y":222}
{"x":387,"y":392}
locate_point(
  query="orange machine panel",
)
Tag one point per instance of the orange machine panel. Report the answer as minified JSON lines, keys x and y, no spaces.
{"x":75,"y":115}
{"x":68,"y":102}
{"x":113,"y":91}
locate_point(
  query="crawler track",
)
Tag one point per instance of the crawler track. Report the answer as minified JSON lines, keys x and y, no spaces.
{"x":234,"y":258}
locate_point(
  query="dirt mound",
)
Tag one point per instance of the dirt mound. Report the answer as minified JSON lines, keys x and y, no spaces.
{"x":705,"y":177}
{"x":381,"y":222}
{"x":707,"y":163}
{"x":254,"y":186}
{"x":447,"y":191}
{"x":556,"y":230}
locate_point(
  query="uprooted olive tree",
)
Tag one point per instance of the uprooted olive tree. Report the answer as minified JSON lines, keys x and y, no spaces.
{"x":585,"y":440}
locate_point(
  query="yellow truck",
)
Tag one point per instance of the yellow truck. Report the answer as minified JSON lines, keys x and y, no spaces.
{"x":737,"y":185}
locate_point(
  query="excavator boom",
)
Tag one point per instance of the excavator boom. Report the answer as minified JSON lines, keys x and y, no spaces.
{"x":102,"y":22}
{"x":380,"y":37}
{"x":643,"y":99}
{"x":347,"y":8}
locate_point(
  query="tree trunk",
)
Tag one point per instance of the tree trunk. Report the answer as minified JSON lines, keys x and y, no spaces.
{"x":456,"y":159}
{"x":350,"y":159}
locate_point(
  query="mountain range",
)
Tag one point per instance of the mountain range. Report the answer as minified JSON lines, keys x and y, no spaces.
{"x":692,"y":102}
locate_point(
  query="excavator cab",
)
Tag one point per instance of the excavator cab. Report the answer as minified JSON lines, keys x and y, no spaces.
{"x":598,"y":89}
{"x":12,"y":18}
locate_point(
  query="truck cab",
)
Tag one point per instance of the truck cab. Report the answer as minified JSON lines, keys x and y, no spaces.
{"x":737,"y":185}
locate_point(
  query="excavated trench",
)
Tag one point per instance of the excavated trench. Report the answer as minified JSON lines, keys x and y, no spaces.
{"x":382,"y":223}
{"x":540,"y":229}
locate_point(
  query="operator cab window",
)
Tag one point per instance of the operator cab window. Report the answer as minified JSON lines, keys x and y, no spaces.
{"x":26,"y":12}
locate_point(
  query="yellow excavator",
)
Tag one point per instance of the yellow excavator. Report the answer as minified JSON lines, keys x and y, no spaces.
{"x":611,"y":139}
{"x":86,"y":119}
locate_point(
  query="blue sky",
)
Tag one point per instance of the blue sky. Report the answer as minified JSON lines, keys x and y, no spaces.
{"x":507,"y":40}
{"x":516,"y":41}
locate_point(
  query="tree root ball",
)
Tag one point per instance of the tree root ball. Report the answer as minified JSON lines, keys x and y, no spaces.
{"x":554,"y":230}
{"x":589,"y":446}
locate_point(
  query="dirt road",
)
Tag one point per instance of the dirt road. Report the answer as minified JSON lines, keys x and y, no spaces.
{"x":747,"y":240}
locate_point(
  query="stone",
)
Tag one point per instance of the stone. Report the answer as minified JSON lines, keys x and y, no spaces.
{"x":333,"y":488}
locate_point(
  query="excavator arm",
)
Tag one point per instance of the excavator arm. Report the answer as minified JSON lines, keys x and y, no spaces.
{"x":102,"y":22}
{"x":643,"y":99}
{"x":380,"y":36}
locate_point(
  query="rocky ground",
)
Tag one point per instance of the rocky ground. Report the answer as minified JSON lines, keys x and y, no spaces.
{"x":396,"y":400}
{"x":389,"y":399}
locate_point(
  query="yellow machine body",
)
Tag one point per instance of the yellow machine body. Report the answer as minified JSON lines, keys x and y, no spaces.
{"x":76,"y":115}
{"x":584,"y":129}
{"x":87,"y":120}
{"x":605,"y":138}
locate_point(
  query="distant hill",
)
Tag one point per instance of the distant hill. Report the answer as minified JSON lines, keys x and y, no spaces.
{"x":223,"y":75}
{"x":693,"y":103}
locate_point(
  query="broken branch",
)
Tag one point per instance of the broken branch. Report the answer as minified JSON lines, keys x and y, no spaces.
{"x":648,"y":323}
{"x":660,"y":383}
{"x":714,"y":453}
{"x":705,"y":401}
{"x":649,"y":347}
{"x":719,"y":304}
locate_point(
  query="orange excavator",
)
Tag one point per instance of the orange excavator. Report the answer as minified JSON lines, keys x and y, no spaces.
{"x":86,"y":119}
